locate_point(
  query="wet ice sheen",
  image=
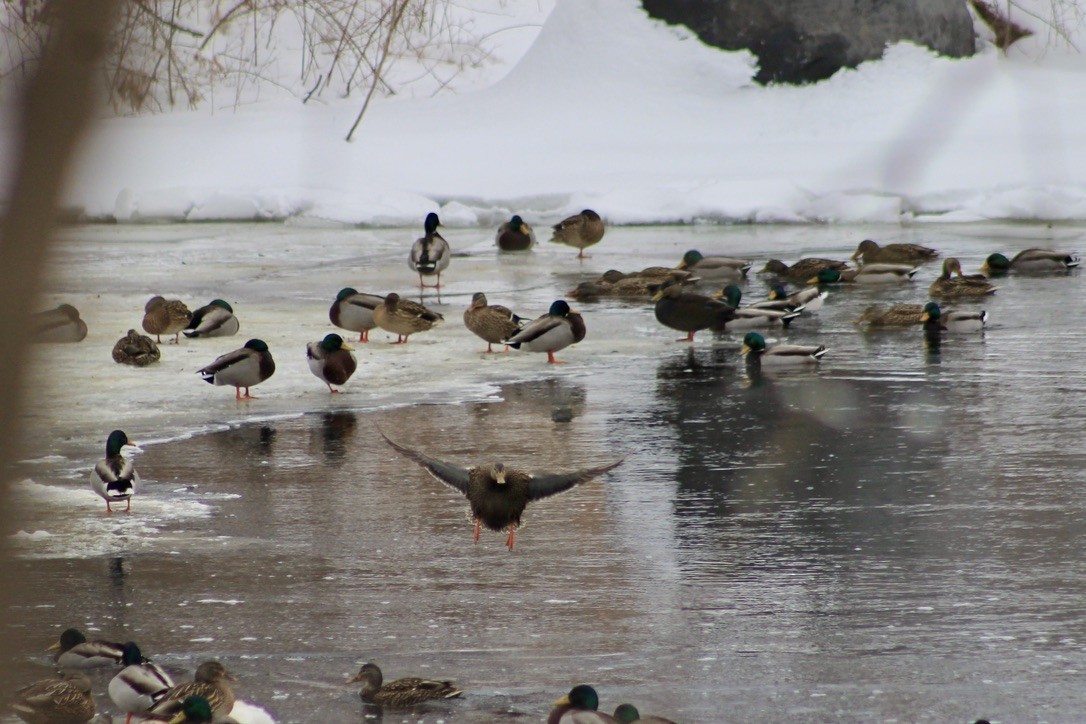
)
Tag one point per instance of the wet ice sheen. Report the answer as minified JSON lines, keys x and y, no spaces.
{"x":896,"y":535}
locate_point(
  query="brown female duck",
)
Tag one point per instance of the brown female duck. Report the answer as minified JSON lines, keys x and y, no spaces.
{"x":400,"y":692}
{"x":492,"y":323}
{"x":948,"y":286}
{"x":404,"y":317}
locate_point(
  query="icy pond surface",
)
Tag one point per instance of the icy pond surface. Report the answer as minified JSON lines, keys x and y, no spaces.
{"x":895,"y":536}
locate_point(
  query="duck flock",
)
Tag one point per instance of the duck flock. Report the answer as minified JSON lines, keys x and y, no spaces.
{"x":700,"y":294}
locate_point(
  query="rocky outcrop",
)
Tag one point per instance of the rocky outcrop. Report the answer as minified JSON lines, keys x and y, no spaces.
{"x":801,"y":41}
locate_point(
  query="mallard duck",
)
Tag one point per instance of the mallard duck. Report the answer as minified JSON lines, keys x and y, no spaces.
{"x":211,"y":681}
{"x":628,"y":714}
{"x":114,"y":478}
{"x":139,"y":685}
{"x":165,"y":316}
{"x":75,"y":652}
{"x":430,"y":253}
{"x":197,"y":710}
{"x":353,"y":310}
{"x":579,"y":706}
{"x":404,"y":317}
{"x":750,"y":317}
{"x":948,"y":286}
{"x":58,"y":325}
{"x":689,"y":312}
{"x":557,"y":329}
{"x":215,"y":319}
{"x":809,"y":299}
{"x":659,"y":274}
{"x":803,"y":269}
{"x":331,"y":360}
{"x":492,"y":323}
{"x":1030,"y":260}
{"x":868,"y":252}
{"x":245,"y":367}
{"x":136,"y":349}
{"x":401,"y":692}
{"x":867,"y":274}
{"x":515,"y":235}
{"x":579,"y":231}
{"x":897,"y":315}
{"x":498,"y":495}
{"x":631,"y":287}
{"x":714,"y":268}
{"x":66,"y":700}
{"x":779,"y":354}
{"x":935,"y":319}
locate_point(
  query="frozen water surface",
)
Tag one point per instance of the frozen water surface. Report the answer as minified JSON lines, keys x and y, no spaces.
{"x":895,"y":536}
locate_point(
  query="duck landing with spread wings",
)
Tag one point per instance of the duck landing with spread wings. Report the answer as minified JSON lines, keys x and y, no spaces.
{"x":498,"y":495}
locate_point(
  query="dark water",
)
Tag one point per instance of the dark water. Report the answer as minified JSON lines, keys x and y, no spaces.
{"x":896,"y":536}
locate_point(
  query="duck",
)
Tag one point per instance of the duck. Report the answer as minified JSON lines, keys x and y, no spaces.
{"x":688,"y":311}
{"x":935,"y":319}
{"x":353,"y":311}
{"x":498,"y":494}
{"x":74,"y":651}
{"x":1030,"y":260}
{"x":749,"y":317}
{"x":628,"y":714}
{"x":867,"y":274}
{"x":896,"y":315}
{"x":114,"y":478}
{"x":165,"y":316}
{"x":632,"y":287}
{"x":869,"y":252}
{"x":659,"y":274}
{"x":211,"y":681}
{"x":245,"y":367}
{"x":331,"y":360}
{"x":803,"y":269}
{"x":808,"y":299}
{"x":197,"y":710}
{"x":780,"y":354}
{"x":579,"y":231}
{"x":579,"y":706}
{"x":492,"y":323}
{"x":430,"y":253}
{"x":401,"y":692}
{"x":948,"y":286}
{"x":65,"y":700}
{"x":715,"y":268}
{"x":139,"y":685}
{"x":214,"y":319}
{"x":560,"y":327}
{"x":514,"y":235}
{"x":404,"y":317}
{"x":136,"y":349}
{"x":62,"y":324}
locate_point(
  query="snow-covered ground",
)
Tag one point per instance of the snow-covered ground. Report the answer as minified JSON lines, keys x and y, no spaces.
{"x":603,"y":107}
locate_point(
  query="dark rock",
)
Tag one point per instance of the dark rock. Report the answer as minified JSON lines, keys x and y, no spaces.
{"x":801,"y":41}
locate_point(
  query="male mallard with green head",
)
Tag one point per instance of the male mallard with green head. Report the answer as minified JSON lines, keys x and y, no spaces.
{"x":714,"y":268}
{"x":869,"y":252}
{"x":62,"y":324}
{"x":557,"y":329}
{"x":74,"y":651}
{"x":139,"y":685}
{"x":579,"y":231}
{"x":401,"y":692}
{"x":114,"y":478}
{"x":755,"y":346}
{"x":628,"y":714}
{"x":492,"y":323}
{"x":935,"y":319}
{"x":751,"y":317}
{"x":215,"y":319}
{"x":803,"y":269}
{"x":197,"y":710}
{"x":165,"y":316}
{"x":353,"y":310}
{"x":211,"y":681}
{"x":331,"y":360}
{"x":515,"y":235}
{"x":430,"y":254}
{"x":498,"y":494}
{"x":689,"y":312}
{"x":404,"y":317}
{"x":579,"y":706}
{"x":810,"y":299}
{"x":948,"y":286}
{"x":66,"y":700}
{"x":1036,"y":261}
{"x":245,"y":367}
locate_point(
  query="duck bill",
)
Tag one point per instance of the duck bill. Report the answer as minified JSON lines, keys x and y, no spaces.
{"x":347,"y":347}
{"x":181,"y":718}
{"x":54,"y":647}
{"x":985,"y":268}
{"x":813,"y":280}
{"x":657,"y":296}
{"x":717,"y":295}
{"x":925,"y":317}
{"x":564,"y":701}
{"x":856,"y":256}
{"x":744,"y":350}
{"x":353,"y":679}
{"x":682,"y":265}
